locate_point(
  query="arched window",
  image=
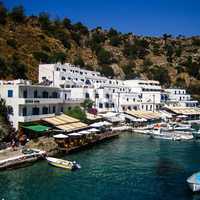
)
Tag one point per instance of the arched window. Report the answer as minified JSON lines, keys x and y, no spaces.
{"x":88,"y":82}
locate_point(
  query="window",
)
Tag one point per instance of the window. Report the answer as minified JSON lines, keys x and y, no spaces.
{"x":35,"y":94}
{"x":25,"y":93}
{"x":100,"y":105}
{"x":65,"y":96}
{"x":24,"y":111}
{"x":96,"y":96}
{"x":45,"y":94}
{"x":63,"y":78}
{"x":57,"y":69}
{"x":54,"y":109}
{"x":107,"y":96}
{"x":55,"y":95}
{"x":44,"y":110}
{"x":10,"y":93}
{"x":87,"y":95}
{"x":64,"y":70}
{"x":35,"y":111}
{"x":107,"y":105}
{"x":61,"y":109}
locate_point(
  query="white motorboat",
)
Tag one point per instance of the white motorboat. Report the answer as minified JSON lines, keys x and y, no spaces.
{"x":194,"y":182}
{"x":63,"y":163}
{"x":160,"y":133}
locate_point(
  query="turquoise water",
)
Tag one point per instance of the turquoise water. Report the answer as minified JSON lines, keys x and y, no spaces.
{"x":130,"y":167}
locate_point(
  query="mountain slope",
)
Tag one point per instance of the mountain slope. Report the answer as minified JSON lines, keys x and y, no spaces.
{"x":26,"y":41}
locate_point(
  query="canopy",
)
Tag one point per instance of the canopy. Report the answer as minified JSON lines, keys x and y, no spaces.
{"x":60,"y":136}
{"x":37,"y":128}
{"x":74,"y":134}
{"x":84,"y":132}
{"x":93,"y":130}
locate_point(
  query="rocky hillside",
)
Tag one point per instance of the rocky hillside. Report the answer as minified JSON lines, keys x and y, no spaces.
{"x":26,"y":41}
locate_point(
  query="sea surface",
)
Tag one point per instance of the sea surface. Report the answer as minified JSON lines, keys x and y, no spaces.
{"x":129,"y":167}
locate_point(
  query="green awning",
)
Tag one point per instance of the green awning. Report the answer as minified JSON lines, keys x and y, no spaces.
{"x":37,"y":128}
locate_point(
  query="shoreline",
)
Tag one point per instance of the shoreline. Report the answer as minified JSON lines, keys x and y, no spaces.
{"x":18,"y":159}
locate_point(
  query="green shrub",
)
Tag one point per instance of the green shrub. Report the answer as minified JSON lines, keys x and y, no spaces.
{"x":129,"y":71}
{"x":41,"y":56}
{"x":107,"y":71}
{"x":44,"y":20}
{"x":103,"y":56}
{"x":115,"y":40}
{"x":147,"y":63}
{"x":112,"y":32}
{"x":12,"y":43}
{"x":79,"y":61}
{"x":3,"y":13}
{"x":160,"y":74}
{"x":17,"y":14}
{"x":156,"y":49}
{"x":79,"y":27}
{"x":196,"y":41}
{"x":77,"y":113}
{"x":57,"y":57}
{"x":67,"y":23}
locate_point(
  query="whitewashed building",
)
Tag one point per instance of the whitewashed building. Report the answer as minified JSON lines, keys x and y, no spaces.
{"x":107,"y":94}
{"x":29,"y":102}
{"x":179,"y":97}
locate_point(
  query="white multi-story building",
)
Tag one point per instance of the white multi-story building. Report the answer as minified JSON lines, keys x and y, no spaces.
{"x":108,"y":94}
{"x":179,"y":97}
{"x":30,"y":102}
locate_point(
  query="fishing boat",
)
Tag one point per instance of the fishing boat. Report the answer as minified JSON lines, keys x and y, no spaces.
{"x":194,"y":182}
{"x":63,"y":163}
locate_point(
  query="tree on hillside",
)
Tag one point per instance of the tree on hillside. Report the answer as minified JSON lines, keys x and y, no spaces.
{"x":166,"y":36}
{"x":107,"y":71}
{"x":17,"y":14}
{"x":3,"y":68}
{"x":112,"y":32}
{"x":104,"y":56}
{"x":79,"y":27}
{"x":44,"y":20}
{"x":129,"y":71}
{"x":79,"y":61}
{"x":67,"y":23}
{"x":3,"y":13}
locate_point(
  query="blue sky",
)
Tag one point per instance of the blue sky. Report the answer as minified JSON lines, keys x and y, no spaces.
{"x":142,"y":17}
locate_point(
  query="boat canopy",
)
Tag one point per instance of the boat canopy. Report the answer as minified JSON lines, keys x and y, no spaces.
{"x":37,"y":128}
{"x":60,"y":136}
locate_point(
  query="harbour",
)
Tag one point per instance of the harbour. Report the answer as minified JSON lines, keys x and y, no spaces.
{"x":111,"y":170}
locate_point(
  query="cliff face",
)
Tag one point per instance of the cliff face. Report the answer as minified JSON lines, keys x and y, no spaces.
{"x":27,"y":41}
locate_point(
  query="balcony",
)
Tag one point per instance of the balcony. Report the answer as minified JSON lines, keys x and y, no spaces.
{"x":31,"y":118}
{"x":23,"y":101}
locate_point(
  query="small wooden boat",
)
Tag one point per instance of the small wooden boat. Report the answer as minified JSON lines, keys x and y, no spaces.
{"x":63,"y":163}
{"x":194,"y":182}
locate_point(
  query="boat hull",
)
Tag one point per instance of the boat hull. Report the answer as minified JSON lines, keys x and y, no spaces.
{"x":194,"y":187}
{"x":194,"y":182}
{"x":63,"y":163}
